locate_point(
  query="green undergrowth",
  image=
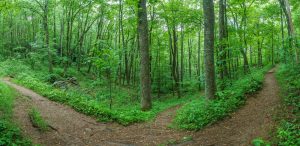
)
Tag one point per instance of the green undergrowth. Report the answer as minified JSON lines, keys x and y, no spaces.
{"x":10,"y":133}
{"x":288,"y":131}
{"x":260,"y":142}
{"x":90,"y":98}
{"x":37,"y":120}
{"x":201,"y":112}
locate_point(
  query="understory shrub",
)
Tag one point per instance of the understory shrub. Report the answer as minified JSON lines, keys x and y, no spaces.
{"x":288,"y":131}
{"x":260,"y":142}
{"x":125,"y":109}
{"x":201,"y":112}
{"x":10,"y":133}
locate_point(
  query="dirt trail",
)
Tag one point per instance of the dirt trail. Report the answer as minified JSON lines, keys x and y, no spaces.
{"x":251,"y":121}
{"x":75,"y":129}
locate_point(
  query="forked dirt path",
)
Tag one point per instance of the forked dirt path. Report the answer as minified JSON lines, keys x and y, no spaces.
{"x":75,"y":129}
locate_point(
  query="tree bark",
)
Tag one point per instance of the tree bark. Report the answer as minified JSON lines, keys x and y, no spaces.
{"x":182,"y":54}
{"x":285,"y":5}
{"x":222,"y":39}
{"x":144,"y":51}
{"x":190,"y":57}
{"x":282,"y":36}
{"x":199,"y":60}
{"x":46,"y":30}
{"x":209,"y":21}
{"x":175,"y":61}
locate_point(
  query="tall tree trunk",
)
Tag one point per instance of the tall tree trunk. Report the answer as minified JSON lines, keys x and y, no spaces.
{"x":54,"y":30}
{"x":61,"y":35}
{"x":285,"y":5}
{"x":259,"y":54}
{"x":46,"y":30}
{"x":190,"y":57}
{"x":119,"y":37}
{"x":158,"y":69}
{"x":175,"y":61}
{"x":272,"y":53}
{"x":282,"y":36}
{"x":222,"y":39}
{"x":145,"y":61}
{"x":228,"y":60}
{"x":69,"y":36}
{"x":209,"y":21}
{"x":199,"y":60}
{"x":182,"y":54}
{"x":124,"y":45}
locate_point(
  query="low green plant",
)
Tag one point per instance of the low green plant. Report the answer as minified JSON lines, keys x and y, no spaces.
{"x":201,"y":112}
{"x":288,"y":131}
{"x":260,"y":142}
{"x":90,"y":100}
{"x":288,"y":134}
{"x":10,"y":133}
{"x":37,"y":120}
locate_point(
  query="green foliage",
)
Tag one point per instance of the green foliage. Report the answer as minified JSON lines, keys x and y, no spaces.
{"x":260,"y":142}
{"x":37,"y":120}
{"x":90,"y":100}
{"x":201,"y":112}
{"x":12,"y":67}
{"x":51,"y":78}
{"x":10,"y":133}
{"x":288,"y":132}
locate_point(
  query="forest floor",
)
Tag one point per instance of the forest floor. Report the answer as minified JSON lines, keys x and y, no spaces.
{"x":70,"y":128}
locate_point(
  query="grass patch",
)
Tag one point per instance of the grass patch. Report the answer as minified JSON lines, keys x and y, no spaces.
{"x":37,"y":120}
{"x":10,"y":133}
{"x":201,"y":112}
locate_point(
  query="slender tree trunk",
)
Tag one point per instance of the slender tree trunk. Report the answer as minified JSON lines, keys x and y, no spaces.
{"x":61,"y":35}
{"x":190,"y":57}
{"x":119,"y":40}
{"x":47,"y":41}
{"x":55,"y":31}
{"x":251,"y":57}
{"x":285,"y":5}
{"x":282,"y":36}
{"x":199,"y":60}
{"x":222,"y":39}
{"x":182,"y":54}
{"x":272,"y":53}
{"x":259,"y":54}
{"x":175,"y":62}
{"x":259,"y":49}
{"x":159,"y":69}
{"x":124,"y":45}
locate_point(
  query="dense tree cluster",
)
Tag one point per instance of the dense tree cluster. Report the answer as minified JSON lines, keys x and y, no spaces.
{"x":168,"y":45}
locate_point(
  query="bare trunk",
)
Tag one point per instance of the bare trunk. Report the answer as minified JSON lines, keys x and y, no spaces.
{"x":182,"y":54}
{"x":285,"y":5}
{"x":144,"y":50}
{"x":46,"y":29}
{"x":222,"y":39}
{"x":209,"y":21}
